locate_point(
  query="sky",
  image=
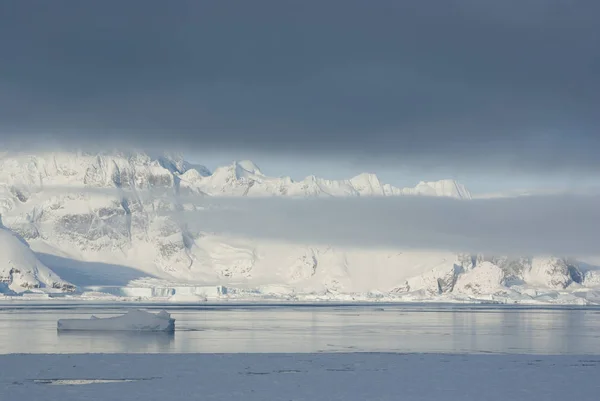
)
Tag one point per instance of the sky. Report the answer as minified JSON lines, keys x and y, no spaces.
{"x":485,"y":91}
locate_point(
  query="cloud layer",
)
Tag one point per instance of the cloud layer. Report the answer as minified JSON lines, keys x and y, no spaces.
{"x":509,"y":85}
{"x":561,"y":224}
{"x":534,"y":225}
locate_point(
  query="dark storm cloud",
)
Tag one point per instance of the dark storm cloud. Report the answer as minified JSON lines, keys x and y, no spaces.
{"x":454,"y":83}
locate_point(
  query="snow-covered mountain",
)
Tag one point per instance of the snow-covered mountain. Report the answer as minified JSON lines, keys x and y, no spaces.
{"x":244,"y":178}
{"x":21,"y":270}
{"x":101,"y":222}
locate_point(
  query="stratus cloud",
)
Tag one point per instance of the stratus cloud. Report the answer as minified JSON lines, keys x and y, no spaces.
{"x":560,"y":225}
{"x":509,"y":84}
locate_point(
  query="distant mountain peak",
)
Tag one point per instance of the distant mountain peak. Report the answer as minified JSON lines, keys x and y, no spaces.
{"x":249,"y":166}
{"x":447,"y":188}
{"x":57,"y":215}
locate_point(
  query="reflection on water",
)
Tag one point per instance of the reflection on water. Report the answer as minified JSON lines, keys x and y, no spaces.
{"x":318,"y":329}
{"x":116,"y":341}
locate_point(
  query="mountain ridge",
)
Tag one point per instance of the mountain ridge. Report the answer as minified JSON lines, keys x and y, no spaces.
{"x":252,"y":181}
{"x":106,"y":211}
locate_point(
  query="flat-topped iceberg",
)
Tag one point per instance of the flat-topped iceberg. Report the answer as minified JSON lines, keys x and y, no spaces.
{"x":134,"y":320}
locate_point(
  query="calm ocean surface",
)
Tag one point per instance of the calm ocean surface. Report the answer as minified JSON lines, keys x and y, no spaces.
{"x":316,"y":328}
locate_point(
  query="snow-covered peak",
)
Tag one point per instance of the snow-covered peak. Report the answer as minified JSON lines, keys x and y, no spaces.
{"x":244,"y":170}
{"x":446,"y":188}
{"x":367,"y":184}
{"x":127,"y":169}
{"x":125,"y":235}
{"x":244,"y":178}
{"x":247,"y":167}
{"x":20,"y":269}
{"x":138,"y":170}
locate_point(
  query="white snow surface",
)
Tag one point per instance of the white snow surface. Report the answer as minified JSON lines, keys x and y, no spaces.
{"x":449,"y":188}
{"x":133,"y":320}
{"x":20,"y":269}
{"x":100,"y":223}
{"x":300,"y":377}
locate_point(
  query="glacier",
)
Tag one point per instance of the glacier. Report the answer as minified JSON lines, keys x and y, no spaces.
{"x":86,"y":226}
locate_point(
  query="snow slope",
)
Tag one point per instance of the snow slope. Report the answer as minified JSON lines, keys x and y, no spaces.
{"x":20,"y":269}
{"x":103,"y":222}
{"x":244,"y":178}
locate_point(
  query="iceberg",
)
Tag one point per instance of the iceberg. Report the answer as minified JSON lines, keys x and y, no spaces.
{"x":134,"y":320}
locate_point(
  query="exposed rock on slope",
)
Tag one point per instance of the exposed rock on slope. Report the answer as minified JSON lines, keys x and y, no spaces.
{"x":20,"y":270}
{"x":111,"y":208}
{"x":246,"y":179}
{"x":74,"y":202}
{"x":485,"y":278}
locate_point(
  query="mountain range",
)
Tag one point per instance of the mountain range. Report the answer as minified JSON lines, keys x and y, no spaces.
{"x":91,"y":225}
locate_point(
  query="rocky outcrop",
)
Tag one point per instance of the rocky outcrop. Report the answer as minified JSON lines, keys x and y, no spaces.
{"x":20,"y":270}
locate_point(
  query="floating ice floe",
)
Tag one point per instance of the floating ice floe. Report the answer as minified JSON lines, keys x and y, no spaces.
{"x":134,"y":320}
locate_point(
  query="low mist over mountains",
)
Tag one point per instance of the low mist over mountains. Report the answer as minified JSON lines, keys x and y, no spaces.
{"x":115,"y":223}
